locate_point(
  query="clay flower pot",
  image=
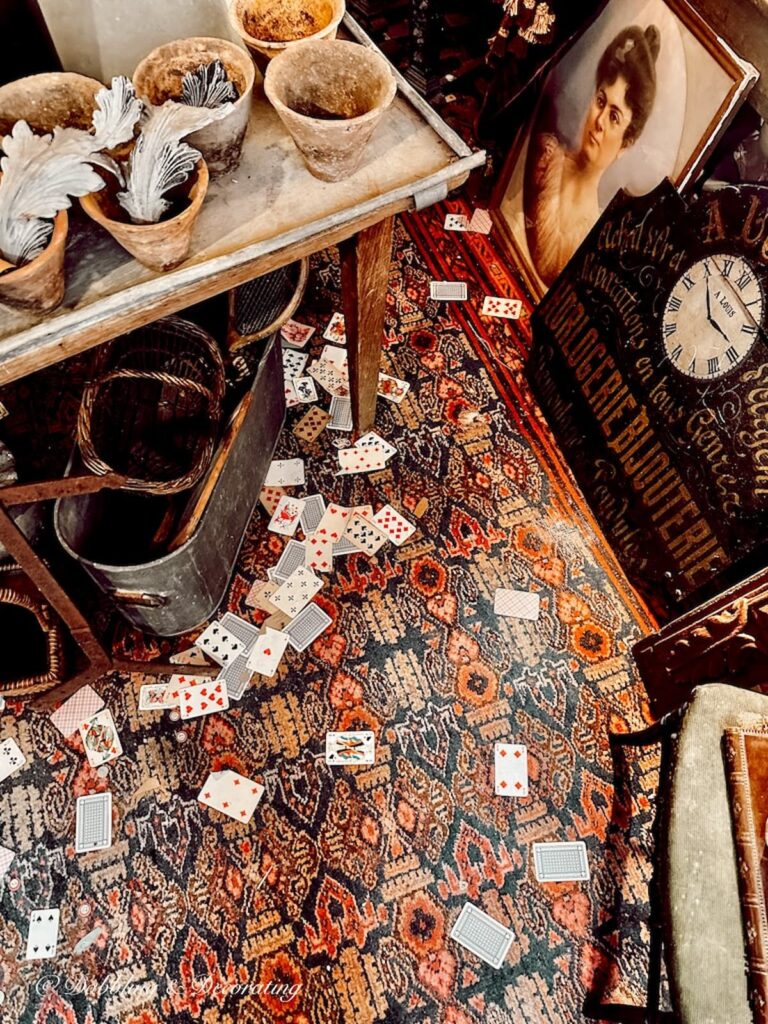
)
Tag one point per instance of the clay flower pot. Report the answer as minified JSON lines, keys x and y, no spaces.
{"x":160,"y":246}
{"x":39,"y":284}
{"x":45,"y":101}
{"x":330,"y":96}
{"x":268,"y":27}
{"x":158,"y":78}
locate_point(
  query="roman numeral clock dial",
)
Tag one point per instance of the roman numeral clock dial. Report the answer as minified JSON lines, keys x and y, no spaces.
{"x":712,"y":316}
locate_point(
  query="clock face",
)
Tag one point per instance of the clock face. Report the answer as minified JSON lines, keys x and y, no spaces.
{"x":712,"y":316}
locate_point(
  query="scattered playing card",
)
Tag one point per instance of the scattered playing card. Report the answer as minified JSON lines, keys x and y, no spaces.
{"x":344,"y":547}
{"x":330,"y":377}
{"x":481,"y":222}
{"x":395,"y":526}
{"x":393,"y":389}
{"x":291,"y":398}
{"x":241,"y":629}
{"x":293,"y":363}
{"x":333,"y":523}
{"x":286,"y":516}
{"x":152,"y":697}
{"x":193,"y":656}
{"x":100,"y":738}
{"x":270,"y":498}
{"x":93,"y":816}
{"x":11,"y":758}
{"x":84,"y":703}
{"x":304,"y":389}
{"x":180,"y":682}
{"x":456,"y":222}
{"x":312,"y":424}
{"x":6,"y":859}
{"x":259,"y":596}
{"x":341,"y":414}
{"x":561,"y":862}
{"x":319,"y":553}
{"x":278,"y":622}
{"x":232,"y":794}
{"x":292,"y":557}
{"x":236,"y":675}
{"x":517,"y":604}
{"x":285,"y":473}
{"x":43,"y":936}
{"x":349,"y":748}
{"x":337,"y":356}
{"x":372,"y":440}
{"x":335,"y":330}
{"x":497,"y":306}
{"x":364,"y":534}
{"x":203,"y":699}
{"x":510,"y":769}
{"x":87,"y":940}
{"x":482,"y":935}
{"x":362,"y":460}
{"x":267,"y":653}
{"x":219,"y":644}
{"x":306,"y":627}
{"x":297,"y":591}
{"x":294,"y":334}
{"x":312,"y":513}
{"x":448,"y":291}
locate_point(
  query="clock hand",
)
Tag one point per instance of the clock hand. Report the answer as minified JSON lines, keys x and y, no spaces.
{"x":735,"y":295}
{"x":714,"y":322}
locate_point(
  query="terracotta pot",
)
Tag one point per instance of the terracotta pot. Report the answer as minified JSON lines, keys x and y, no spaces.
{"x":44,"y":101}
{"x":268,"y":27}
{"x":330,"y":96}
{"x":160,"y":246}
{"x":39,"y":284}
{"x":158,"y":78}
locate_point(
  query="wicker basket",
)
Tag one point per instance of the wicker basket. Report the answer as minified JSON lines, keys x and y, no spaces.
{"x":153,"y":411}
{"x":13,"y":680}
{"x":261,"y":306}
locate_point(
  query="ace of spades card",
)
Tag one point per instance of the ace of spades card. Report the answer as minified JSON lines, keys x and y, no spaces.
{"x":100,"y":739}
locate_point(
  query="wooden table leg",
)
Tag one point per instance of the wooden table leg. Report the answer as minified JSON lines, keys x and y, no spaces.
{"x":365,"y":262}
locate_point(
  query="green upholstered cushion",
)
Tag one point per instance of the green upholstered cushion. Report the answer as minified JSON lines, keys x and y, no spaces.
{"x":704,"y":932}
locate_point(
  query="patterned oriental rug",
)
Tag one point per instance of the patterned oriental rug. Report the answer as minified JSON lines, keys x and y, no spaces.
{"x":334,"y":906}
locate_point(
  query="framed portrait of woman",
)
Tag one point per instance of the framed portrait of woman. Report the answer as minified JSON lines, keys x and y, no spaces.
{"x":641,"y":95}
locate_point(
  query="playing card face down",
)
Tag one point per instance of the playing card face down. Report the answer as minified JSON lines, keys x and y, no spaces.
{"x":11,"y":758}
{"x":312,"y":513}
{"x":100,"y":739}
{"x":292,"y":557}
{"x":204,"y":699}
{"x":6,"y":859}
{"x":93,"y":817}
{"x":83,"y":704}
{"x":510,"y":769}
{"x":306,"y":627}
{"x":341,"y":414}
{"x":232,"y":794}
{"x":517,"y":604}
{"x":349,"y":748}
{"x":481,"y":222}
{"x":482,"y":935}
{"x":43,"y":936}
{"x":561,"y":862}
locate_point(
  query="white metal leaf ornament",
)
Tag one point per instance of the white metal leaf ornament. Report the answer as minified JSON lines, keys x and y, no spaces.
{"x":117,"y":113}
{"x":160,"y":161}
{"x":208,"y":86}
{"x":40,"y":174}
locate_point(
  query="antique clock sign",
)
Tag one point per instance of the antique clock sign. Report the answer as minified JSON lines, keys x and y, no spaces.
{"x":650,"y":361}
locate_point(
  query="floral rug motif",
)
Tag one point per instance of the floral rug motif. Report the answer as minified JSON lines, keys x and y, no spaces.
{"x":335,"y":905}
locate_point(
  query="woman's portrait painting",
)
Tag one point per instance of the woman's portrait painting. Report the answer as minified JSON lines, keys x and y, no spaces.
{"x":640,"y":96}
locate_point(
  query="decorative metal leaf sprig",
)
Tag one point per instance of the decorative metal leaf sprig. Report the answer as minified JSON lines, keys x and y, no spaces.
{"x":160,"y":161}
{"x":209,"y":86}
{"x":40,"y":174}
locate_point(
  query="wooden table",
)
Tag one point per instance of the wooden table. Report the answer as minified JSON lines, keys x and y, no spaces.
{"x":267,"y":214}
{"x":270,"y":212}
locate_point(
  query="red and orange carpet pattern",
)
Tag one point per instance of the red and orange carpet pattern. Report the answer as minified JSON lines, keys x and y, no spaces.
{"x":334,"y":906}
